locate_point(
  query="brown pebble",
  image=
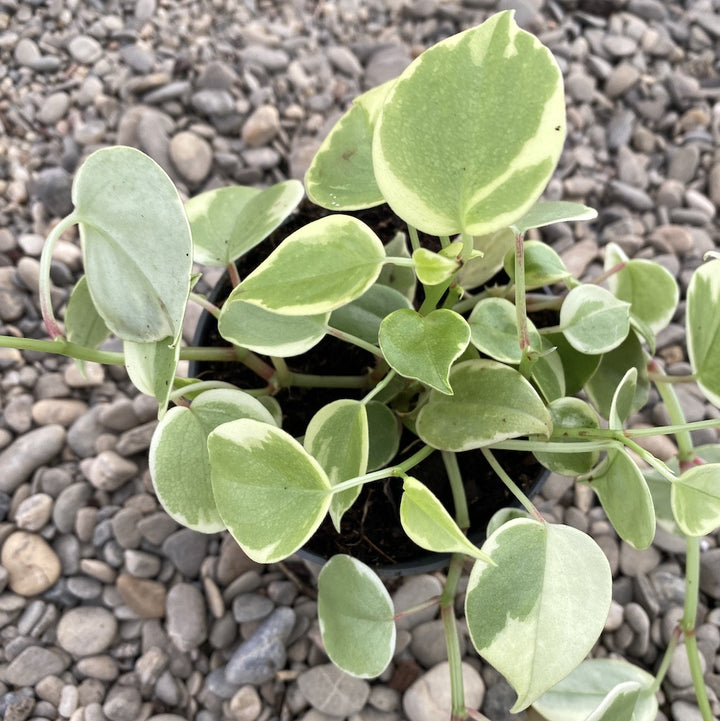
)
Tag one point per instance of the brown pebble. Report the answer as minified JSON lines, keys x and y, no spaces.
{"x":146,"y":598}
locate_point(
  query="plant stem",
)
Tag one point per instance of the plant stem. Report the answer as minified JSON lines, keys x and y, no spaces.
{"x":675,"y":412}
{"x":665,"y":664}
{"x":233,"y":274}
{"x":205,"y":304}
{"x":452,"y":638}
{"x":520,"y":307}
{"x":462,"y":515}
{"x":379,"y":387}
{"x":559,"y":431}
{"x":559,"y":447}
{"x":512,"y":486}
{"x":359,"y":342}
{"x":63,"y":347}
{"x":306,"y":380}
{"x":283,"y":376}
{"x":414,"y":238}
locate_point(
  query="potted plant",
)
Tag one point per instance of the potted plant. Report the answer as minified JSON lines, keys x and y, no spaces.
{"x":460,"y":147}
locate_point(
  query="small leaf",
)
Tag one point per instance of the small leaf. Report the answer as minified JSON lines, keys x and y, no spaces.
{"x":83,"y":324}
{"x":384,"y":435}
{"x":577,"y":367}
{"x":703,"y":328}
{"x":494,"y":331}
{"x":626,"y":498}
{"x":556,"y":211}
{"x":503,"y":516}
{"x":570,"y":413}
{"x":491,"y":402}
{"x":228,"y":222}
{"x":357,"y":617}
{"x":337,"y":437}
{"x":493,"y":248}
{"x":543,"y":266}
{"x":650,"y":289}
{"x":622,"y":402}
{"x":324,"y":265}
{"x":151,"y":367}
{"x":270,"y":492}
{"x":695,"y":498}
{"x":137,"y":247}
{"x":586,"y":688}
{"x":424,"y":347}
{"x":593,"y":320}
{"x":537,"y":613}
{"x":397,"y":277}
{"x":179,"y":461}
{"x":433,"y":268}
{"x":429,"y":525}
{"x":619,"y":704}
{"x":547,"y":372}
{"x":261,"y":331}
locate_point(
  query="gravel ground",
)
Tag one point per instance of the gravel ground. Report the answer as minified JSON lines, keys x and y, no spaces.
{"x":109,"y":610}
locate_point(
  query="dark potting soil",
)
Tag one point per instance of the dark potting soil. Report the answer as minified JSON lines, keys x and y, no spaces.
{"x":370,"y":529}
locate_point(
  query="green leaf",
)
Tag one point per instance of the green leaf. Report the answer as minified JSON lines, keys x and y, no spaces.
{"x":357,"y":617}
{"x":83,"y":324}
{"x":493,"y":248}
{"x":556,"y":211}
{"x":337,"y":437}
{"x":151,"y":367}
{"x":626,"y":498}
{"x":612,"y":369}
{"x":363,"y":316}
{"x":424,"y":347}
{"x":250,"y":326}
{"x":619,"y":704}
{"x":398,"y":277}
{"x":593,"y":320}
{"x":491,"y":402}
{"x":179,"y":460}
{"x":429,"y":525}
{"x":537,"y":613}
{"x":433,"y":268}
{"x":703,"y":328}
{"x":270,"y":492}
{"x":547,"y":372}
{"x":543,"y":266}
{"x":570,"y":413}
{"x":318,"y":268}
{"x":227,"y":222}
{"x":586,"y":688}
{"x":695,"y":498}
{"x":577,"y":367}
{"x":503,"y":516}
{"x":384,"y":435}
{"x":622,"y":402}
{"x":341,"y":175}
{"x":494,"y":331}
{"x":137,"y":248}
{"x":451,"y":151}
{"x":650,"y":289}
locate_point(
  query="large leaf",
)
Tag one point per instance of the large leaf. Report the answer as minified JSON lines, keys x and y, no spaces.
{"x":550,"y":212}
{"x":262,"y":331}
{"x":341,"y":175}
{"x":593,"y":320}
{"x":136,"y":242}
{"x":491,"y":402}
{"x":337,"y":437}
{"x":452,"y":150}
{"x":703,"y":328}
{"x":626,"y":499}
{"x":151,"y":367}
{"x":270,"y":492}
{"x":318,"y":268}
{"x":179,"y":460}
{"x":650,"y":289}
{"x":429,"y":525}
{"x":357,"y":617}
{"x":424,"y":347}
{"x":695,"y":498}
{"x":227,"y":222}
{"x":537,"y":613}
{"x":590,"y":684}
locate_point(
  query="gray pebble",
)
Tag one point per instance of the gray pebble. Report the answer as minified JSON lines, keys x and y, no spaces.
{"x":18,"y":412}
{"x":70,"y":500}
{"x":213,"y":102}
{"x":710,"y":573}
{"x":85,"y":50}
{"x":679,"y":669}
{"x":83,"y":434}
{"x":34,"y":663}
{"x":125,"y":527}
{"x":86,"y":630}
{"x":142,"y":564}
{"x":34,"y":512}
{"x":53,"y":108}
{"x":271,"y":59}
{"x":386,"y":64}
{"x":428,"y":643}
{"x":123,"y":703}
{"x":186,"y":549}
{"x":429,"y":697}
{"x":109,"y":471}
{"x":192,"y":157}
{"x":26,"y":52}
{"x":28,"y":453}
{"x":344,"y":60}
{"x":634,"y":562}
{"x":217,"y":683}
{"x":156,"y":527}
{"x":251,"y":607}
{"x":136,"y":440}
{"x":186,"y":616}
{"x":415,"y":590}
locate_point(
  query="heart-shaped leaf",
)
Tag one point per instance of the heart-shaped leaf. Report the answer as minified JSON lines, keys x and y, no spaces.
{"x":695,"y":498}
{"x":543,"y":266}
{"x":179,"y":460}
{"x":433,"y":268}
{"x":384,"y":435}
{"x":429,"y":525}
{"x":424,"y":347}
{"x":449,"y":161}
{"x":578,"y":367}
{"x":270,"y":492}
{"x":550,"y":212}
{"x":151,"y":367}
{"x":593,"y":320}
{"x":137,"y":247}
{"x":227,"y":222}
{"x":626,"y":498}
{"x":703,"y":328}
{"x":582,"y":692}
{"x":537,"y":613}
{"x":337,"y":437}
{"x":491,"y":402}
{"x":357,"y":617}
{"x":547,"y":372}
{"x":250,"y":326}
{"x":324,"y":265}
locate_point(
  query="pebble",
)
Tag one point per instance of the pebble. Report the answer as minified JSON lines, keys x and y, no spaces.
{"x":86,"y":630}
{"x":416,"y":590}
{"x":109,"y":471}
{"x":428,"y":643}
{"x":332,"y":691}
{"x":710,"y":573}
{"x":34,"y":663}
{"x":34,"y":512}
{"x":186,"y":616}
{"x":245,"y":705}
{"x":70,"y":500}
{"x":187,"y":550}
{"x":258,"y":659}
{"x":192,"y":157}
{"x":32,"y":565}
{"x":261,"y":127}
{"x":85,"y":50}
{"x":123,"y":703}
{"x":144,"y":597}
{"x":251,"y":607}
{"x":28,"y":453}
{"x":428,"y":698}
{"x":60,"y":411}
